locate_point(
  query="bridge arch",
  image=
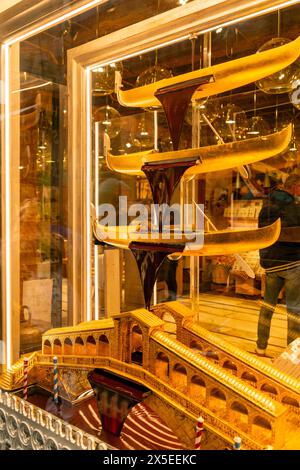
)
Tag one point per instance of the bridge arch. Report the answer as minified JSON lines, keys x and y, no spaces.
{"x":239,"y":414}
{"x":250,"y":378}
{"x":68,"y":346}
{"x":162,"y":366}
{"x":57,"y":347}
{"x":269,"y":389}
{"x":79,"y":348}
{"x":197,"y":388}
{"x":218,"y":400}
{"x":47,"y":347}
{"x":103,"y":345}
{"x":196,"y":346}
{"x":136,"y":344}
{"x":289,"y":401}
{"x":212,"y":355}
{"x":179,"y":377}
{"x":262,"y":425}
{"x":91,"y":346}
{"x":230,"y":366}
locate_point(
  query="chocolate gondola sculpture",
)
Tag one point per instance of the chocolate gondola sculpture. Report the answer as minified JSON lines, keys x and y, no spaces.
{"x":150,"y":251}
{"x":175,"y":93}
{"x":226,"y":76}
{"x":164,"y":170}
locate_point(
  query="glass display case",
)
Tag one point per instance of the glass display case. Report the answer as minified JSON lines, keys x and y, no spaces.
{"x":63,"y":117}
{"x":230,"y":200}
{"x":150,"y":223}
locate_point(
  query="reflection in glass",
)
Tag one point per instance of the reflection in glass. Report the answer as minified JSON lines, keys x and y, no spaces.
{"x":295,"y":93}
{"x":144,"y":134}
{"x":257,"y":126}
{"x":153,"y":74}
{"x":282,"y":81}
{"x":103,"y":79}
{"x":108,"y":117}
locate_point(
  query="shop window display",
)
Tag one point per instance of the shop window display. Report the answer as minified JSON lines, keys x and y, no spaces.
{"x":164,"y":125}
{"x":40,"y":100}
{"x":231,"y":200}
{"x":135,"y":132}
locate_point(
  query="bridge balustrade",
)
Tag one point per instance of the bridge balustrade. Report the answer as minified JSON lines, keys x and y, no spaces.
{"x":217,"y":397}
{"x":245,"y":366}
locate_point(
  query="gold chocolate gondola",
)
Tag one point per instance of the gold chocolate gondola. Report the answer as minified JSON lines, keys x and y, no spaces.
{"x":225,"y":76}
{"x":222,"y":242}
{"x":207,"y":159}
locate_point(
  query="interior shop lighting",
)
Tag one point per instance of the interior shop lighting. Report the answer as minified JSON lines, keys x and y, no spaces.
{"x":7,"y":180}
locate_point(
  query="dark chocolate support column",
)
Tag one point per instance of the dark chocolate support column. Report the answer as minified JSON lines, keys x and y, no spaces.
{"x":149,"y":258}
{"x":175,"y":100}
{"x":164,"y":178}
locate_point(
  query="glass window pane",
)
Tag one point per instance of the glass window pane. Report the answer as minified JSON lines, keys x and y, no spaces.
{"x":231,"y":201}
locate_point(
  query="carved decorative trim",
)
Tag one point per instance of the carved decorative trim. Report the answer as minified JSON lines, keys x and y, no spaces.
{"x":25,"y":426}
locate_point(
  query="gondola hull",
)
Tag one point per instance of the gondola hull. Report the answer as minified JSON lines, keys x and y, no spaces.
{"x":226,"y":76}
{"x":222,"y":242}
{"x":206,"y":159}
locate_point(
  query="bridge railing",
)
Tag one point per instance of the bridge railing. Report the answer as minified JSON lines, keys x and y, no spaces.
{"x":18,"y":371}
{"x":250,"y":362}
{"x":11,"y":379}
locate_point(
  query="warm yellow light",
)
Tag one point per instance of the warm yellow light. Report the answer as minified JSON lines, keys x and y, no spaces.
{"x":8,"y":313}
{"x":55,"y":21}
{"x":96,"y":267}
{"x":32,"y":87}
{"x":88,"y":195}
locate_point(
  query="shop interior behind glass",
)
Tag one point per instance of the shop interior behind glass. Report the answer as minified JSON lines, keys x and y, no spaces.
{"x":226,"y":300}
